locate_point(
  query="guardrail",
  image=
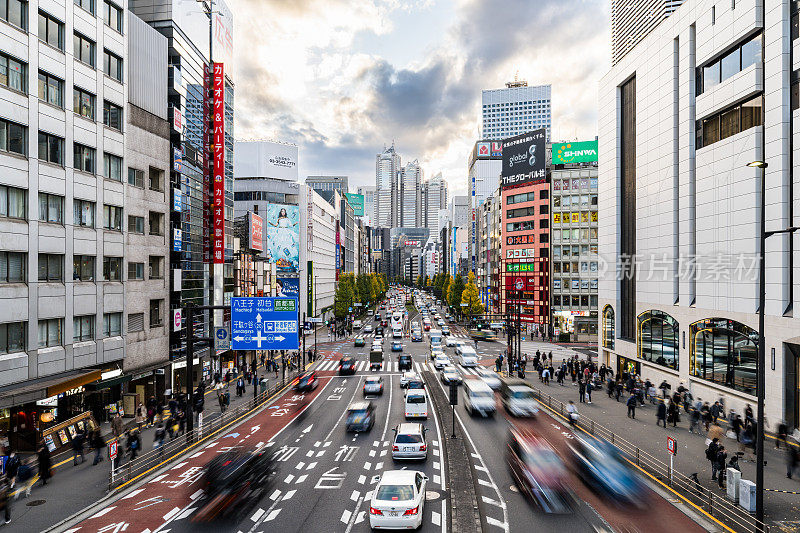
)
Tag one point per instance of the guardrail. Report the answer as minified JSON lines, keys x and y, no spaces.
{"x":733,"y":517}
{"x":173,"y":448}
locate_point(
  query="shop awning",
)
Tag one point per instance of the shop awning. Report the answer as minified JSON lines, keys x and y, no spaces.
{"x":108,"y":383}
{"x":38,"y":389}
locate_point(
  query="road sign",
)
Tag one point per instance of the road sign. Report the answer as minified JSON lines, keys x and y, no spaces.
{"x":316,"y":320}
{"x":176,"y":320}
{"x":672,"y":446}
{"x":264,"y":324}
{"x":223,"y":336}
{"x":453,"y":393}
{"x":349,"y":309}
{"x":113,"y":447}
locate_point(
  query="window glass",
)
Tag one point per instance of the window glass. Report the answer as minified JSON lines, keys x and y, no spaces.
{"x":83,"y":213}
{"x":730,"y":64}
{"x":710,"y":130}
{"x":112,"y":115}
{"x":83,"y":328}
{"x":50,"y":332}
{"x":710,"y":76}
{"x":751,"y":52}
{"x":112,"y":324}
{"x":751,"y":113}
{"x":112,"y":217}
{"x":83,"y":268}
{"x":112,"y":167}
{"x":51,"y":208}
{"x":725,"y":352}
{"x":88,"y":5}
{"x":729,"y":123}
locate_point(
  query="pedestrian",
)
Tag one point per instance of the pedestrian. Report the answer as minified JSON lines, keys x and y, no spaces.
{"x":736,"y":426}
{"x":134,"y":443}
{"x":791,"y":460}
{"x":694,"y":420}
{"x":631,"y":403}
{"x":705,"y":413}
{"x":715,"y":411}
{"x":581,"y":391}
{"x":781,"y":436}
{"x":12,"y":468}
{"x":97,"y":442}
{"x":158,"y":438}
{"x":117,"y":427}
{"x":5,"y":497}
{"x":661,"y":414}
{"x":26,"y":478}
{"x":572,"y":413}
{"x":221,"y":400}
{"x":77,"y":447}
{"x":748,"y":412}
{"x":722,"y":455}
{"x":673,"y":413}
{"x":589,"y":388}
{"x":711,"y":455}
{"x":45,"y":462}
{"x":141,"y":415}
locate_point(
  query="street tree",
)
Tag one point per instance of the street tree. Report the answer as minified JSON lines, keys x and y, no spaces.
{"x":454,"y":295}
{"x":471,"y":297}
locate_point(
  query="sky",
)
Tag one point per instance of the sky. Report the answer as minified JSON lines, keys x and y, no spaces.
{"x":343,"y":78}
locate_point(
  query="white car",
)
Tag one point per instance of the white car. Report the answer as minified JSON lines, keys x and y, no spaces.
{"x":368,"y":328}
{"x":408,"y":376}
{"x":440,"y":361}
{"x":453,"y":342}
{"x":490,"y":377}
{"x":398,"y":500}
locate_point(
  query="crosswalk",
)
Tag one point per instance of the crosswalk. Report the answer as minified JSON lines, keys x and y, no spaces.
{"x":388,"y":334}
{"x":331,"y":365}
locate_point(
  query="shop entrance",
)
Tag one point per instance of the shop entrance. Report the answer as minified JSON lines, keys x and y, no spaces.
{"x":628,"y":366}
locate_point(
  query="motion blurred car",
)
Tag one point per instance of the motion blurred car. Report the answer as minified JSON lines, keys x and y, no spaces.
{"x":368,"y":328}
{"x":406,"y":377}
{"x":518,"y":397}
{"x":409,"y":442}
{"x":379,"y":332}
{"x":538,"y":471}
{"x":403,"y":362}
{"x":440,"y":361}
{"x":602,"y":468}
{"x":397,"y":346}
{"x":398,"y":500}
{"x":360,"y":417}
{"x":489,"y":377}
{"x":233,"y":482}
{"x":449,"y":375}
{"x":373,"y":385}
{"x":384,"y":322}
{"x":436,"y":351}
{"x":347,"y":365}
{"x":445,"y":330}
{"x":359,"y":342}
{"x":451,"y":342}
{"x":440,"y":322}
{"x":306,"y":382}
{"x":416,"y":336}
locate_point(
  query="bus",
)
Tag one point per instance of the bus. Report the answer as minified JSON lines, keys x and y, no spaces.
{"x":397,"y":320}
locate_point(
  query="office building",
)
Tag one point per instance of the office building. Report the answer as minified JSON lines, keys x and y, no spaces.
{"x":319,"y":225}
{"x":433,"y":198}
{"x":459,"y":212}
{"x":632,"y":20}
{"x":328,"y":183}
{"x":410,"y":180}
{"x":675,"y":138}
{"x":484,"y":168}
{"x":488,"y":258}
{"x":387,"y":169}
{"x":368,"y":192}
{"x":514,"y":110}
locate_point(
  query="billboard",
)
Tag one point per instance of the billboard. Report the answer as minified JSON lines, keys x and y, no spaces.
{"x":357,"y":203}
{"x":283,"y":236}
{"x":256,"y":232}
{"x":218,"y":237}
{"x":524,"y":159}
{"x":575,"y":152}
{"x":265,"y":159}
{"x":288,"y":288}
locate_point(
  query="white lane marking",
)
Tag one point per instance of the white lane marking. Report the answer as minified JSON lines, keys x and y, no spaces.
{"x":436,"y":448}
{"x":417,"y":368}
{"x":346,"y":516}
{"x":179,"y":465}
{"x":362,"y":479}
{"x":289,"y":494}
{"x":436,"y":465}
{"x":300,"y":465}
{"x":320,"y":453}
{"x":211,"y":444}
{"x":481,"y":468}
{"x":361,"y":516}
{"x":101,"y":512}
{"x":196,"y":455}
{"x":367,"y":466}
{"x":185,"y":514}
{"x":272,"y":439}
{"x":372,"y":453}
{"x":258,"y":514}
{"x":484,"y":482}
{"x":310,"y":453}
{"x":436,"y":479}
{"x":301,"y":479}
{"x":379,"y":466}
{"x":274,"y":495}
{"x":336,"y":425}
{"x":491,"y":501}
{"x":436,"y":518}
{"x":289,"y":478}
{"x":196,"y":495}
{"x":172,"y":513}
{"x":494,"y":522}
{"x":388,"y":411}
{"x":311,"y":465}
{"x":444,"y":516}
{"x":271,"y":516}
{"x":354,"y":496}
{"x":132,"y":494}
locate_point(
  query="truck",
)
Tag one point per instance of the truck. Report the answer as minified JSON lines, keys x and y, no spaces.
{"x":483,"y":334}
{"x":375,"y":359}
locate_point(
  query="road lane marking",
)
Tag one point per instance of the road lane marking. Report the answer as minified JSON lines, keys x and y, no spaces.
{"x":355,"y":494}
{"x":101,"y":512}
{"x":494,"y":522}
{"x":174,"y":512}
{"x":301,"y":479}
{"x":132,"y":494}
{"x":271,"y":516}
{"x":345,"y":516}
{"x":289,"y":478}
{"x":258,"y":514}
{"x":288,"y":495}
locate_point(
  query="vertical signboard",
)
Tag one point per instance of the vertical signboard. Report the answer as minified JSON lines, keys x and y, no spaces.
{"x":256,"y":232}
{"x":219,"y":164}
{"x":338,"y":258}
{"x":310,"y":219}
{"x":283,"y":236}
{"x":206,"y":162}
{"x":524,"y":159}
{"x":310,"y":289}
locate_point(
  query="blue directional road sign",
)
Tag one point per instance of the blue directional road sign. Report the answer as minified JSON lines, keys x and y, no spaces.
{"x":264,"y":324}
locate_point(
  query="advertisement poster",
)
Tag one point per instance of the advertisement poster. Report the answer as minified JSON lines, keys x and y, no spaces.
{"x":72,"y":431}
{"x":218,"y":237}
{"x":288,"y":288}
{"x":62,"y":435}
{"x":524,"y":159}
{"x":256,"y":232}
{"x":356,"y":201}
{"x":283,"y":236}
{"x":574,"y":152}
{"x":48,"y":440}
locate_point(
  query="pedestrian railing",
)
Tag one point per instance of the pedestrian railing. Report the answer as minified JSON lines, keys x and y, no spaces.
{"x":727,"y":513}
{"x":172,"y":448}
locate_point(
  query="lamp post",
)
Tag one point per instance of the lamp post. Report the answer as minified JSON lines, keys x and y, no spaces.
{"x":762,"y":352}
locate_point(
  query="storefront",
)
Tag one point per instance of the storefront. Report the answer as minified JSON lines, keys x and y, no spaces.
{"x":628,"y":366}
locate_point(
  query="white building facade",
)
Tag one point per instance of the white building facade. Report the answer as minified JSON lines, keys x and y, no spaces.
{"x":680,"y":119}
{"x":515,"y":110}
{"x":411,"y":178}
{"x":318,"y":224}
{"x":387,"y":167}
{"x":433,"y":198}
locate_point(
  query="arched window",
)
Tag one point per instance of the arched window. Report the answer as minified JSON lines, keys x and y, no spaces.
{"x":608,"y":327}
{"x":657,"y":338}
{"x":725,"y":352}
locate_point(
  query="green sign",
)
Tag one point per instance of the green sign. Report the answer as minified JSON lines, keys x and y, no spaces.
{"x":574,"y":152}
{"x":310,"y":289}
{"x":285,"y":304}
{"x":357,"y":201}
{"x":520,"y":267}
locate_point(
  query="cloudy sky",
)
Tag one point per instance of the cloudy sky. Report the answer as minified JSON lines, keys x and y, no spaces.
{"x":343,"y":78}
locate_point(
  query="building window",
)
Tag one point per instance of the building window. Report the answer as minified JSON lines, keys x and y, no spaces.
{"x":51,"y":148}
{"x":112,"y":15}
{"x":156,"y":176}
{"x":51,"y":30}
{"x":13,"y":73}
{"x":51,"y":332}
{"x":156,"y":223}
{"x":51,"y":267}
{"x":135,"y":322}
{"x":12,"y":337}
{"x":84,"y":158}
{"x":658,"y":339}
{"x":608,"y":327}
{"x":87,"y":5}
{"x":112,"y":217}
{"x":627,"y":226}
{"x":729,"y":64}
{"x":156,"y":265}
{"x":135,"y":177}
{"x":112,"y":65}
{"x":83,"y":213}
{"x":112,"y":115}
{"x":51,"y":89}
{"x":725,"y":352}
{"x":112,"y":167}
{"x":83,"y":268}
{"x":83,"y":328}
{"x":112,"y":268}
{"x":135,"y":271}
{"x":729,"y":122}
{"x":13,"y":137}
{"x":83,"y":48}
{"x":13,"y":202}
{"x":12,"y":267}
{"x":136,"y":224}
{"x":83,"y":103}
{"x":156,"y":313}
{"x":15,"y":12}
{"x":112,"y":324}
{"x":51,"y":208}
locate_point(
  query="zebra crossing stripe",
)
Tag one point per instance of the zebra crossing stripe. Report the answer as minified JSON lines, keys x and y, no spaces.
{"x":416,"y":366}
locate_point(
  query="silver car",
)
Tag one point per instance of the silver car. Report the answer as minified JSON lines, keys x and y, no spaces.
{"x":409,"y":442}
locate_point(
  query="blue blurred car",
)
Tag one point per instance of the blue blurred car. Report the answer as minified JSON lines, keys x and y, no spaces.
{"x":397,"y":347}
{"x":602,"y":467}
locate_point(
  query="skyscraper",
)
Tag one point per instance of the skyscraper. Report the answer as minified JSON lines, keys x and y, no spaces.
{"x":328,"y":183}
{"x":410,"y":181}
{"x":632,"y":20}
{"x":433,"y":197}
{"x":387,"y":166}
{"x":368,"y":191}
{"x":515,"y":110}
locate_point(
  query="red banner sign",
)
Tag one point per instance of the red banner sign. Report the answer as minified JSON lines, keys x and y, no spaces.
{"x":256,"y":232}
{"x":219,"y":165}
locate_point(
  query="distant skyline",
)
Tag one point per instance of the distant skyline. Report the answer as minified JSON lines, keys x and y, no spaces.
{"x":342,"y":79}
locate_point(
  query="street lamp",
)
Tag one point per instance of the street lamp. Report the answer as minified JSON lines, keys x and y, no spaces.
{"x":762,"y":353}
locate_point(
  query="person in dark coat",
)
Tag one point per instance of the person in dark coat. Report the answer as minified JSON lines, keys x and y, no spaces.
{"x":5,"y":496}
{"x":45,"y":462}
{"x":673,"y":413}
{"x":581,"y":390}
{"x":791,"y":460}
{"x":12,"y":468}
{"x":711,"y":455}
{"x":722,"y":455}
{"x":661,"y":414}
{"x":631,"y":403}
{"x":77,"y":447}
{"x":96,"y":441}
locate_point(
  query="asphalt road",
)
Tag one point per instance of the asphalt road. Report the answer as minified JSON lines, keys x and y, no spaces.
{"x":326,"y":474}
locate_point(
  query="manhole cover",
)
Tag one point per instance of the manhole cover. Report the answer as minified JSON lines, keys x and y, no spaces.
{"x":431,"y":495}
{"x":34,"y":503}
{"x":513,"y":488}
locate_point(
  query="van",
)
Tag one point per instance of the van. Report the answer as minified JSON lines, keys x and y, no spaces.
{"x":436,"y":337}
{"x":518,"y":397}
{"x":397,"y":333}
{"x":467,"y":356}
{"x":478,"y":397}
{"x":416,"y":403}
{"x":357,"y":324}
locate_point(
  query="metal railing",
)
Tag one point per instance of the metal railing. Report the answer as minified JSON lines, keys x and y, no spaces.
{"x":726,"y":512}
{"x":173,"y":448}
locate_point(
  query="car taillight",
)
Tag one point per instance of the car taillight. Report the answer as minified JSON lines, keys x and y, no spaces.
{"x":423,"y":448}
{"x":374,"y":511}
{"x":412,"y":512}
{"x":395,"y":449}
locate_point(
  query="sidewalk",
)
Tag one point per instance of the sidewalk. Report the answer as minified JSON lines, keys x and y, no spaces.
{"x":73,"y":487}
{"x":644,"y":433}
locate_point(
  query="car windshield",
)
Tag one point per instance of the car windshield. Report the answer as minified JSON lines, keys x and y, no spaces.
{"x":522,"y":394}
{"x":356,"y":414}
{"x":395,"y":493}
{"x":481,"y":394}
{"x":408,"y":439}
{"x":415,"y":398}
{"x":373,"y":381}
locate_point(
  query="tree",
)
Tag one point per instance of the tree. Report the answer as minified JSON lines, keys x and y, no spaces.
{"x":364,"y":289}
{"x":447,"y":281}
{"x":343,"y":297}
{"x":454,"y":294}
{"x":471,"y":297}
{"x":427,"y":281}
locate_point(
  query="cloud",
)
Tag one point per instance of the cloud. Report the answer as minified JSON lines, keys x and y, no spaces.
{"x":299,"y":78}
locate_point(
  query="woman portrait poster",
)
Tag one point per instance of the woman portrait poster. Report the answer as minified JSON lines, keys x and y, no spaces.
{"x":283,"y":236}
